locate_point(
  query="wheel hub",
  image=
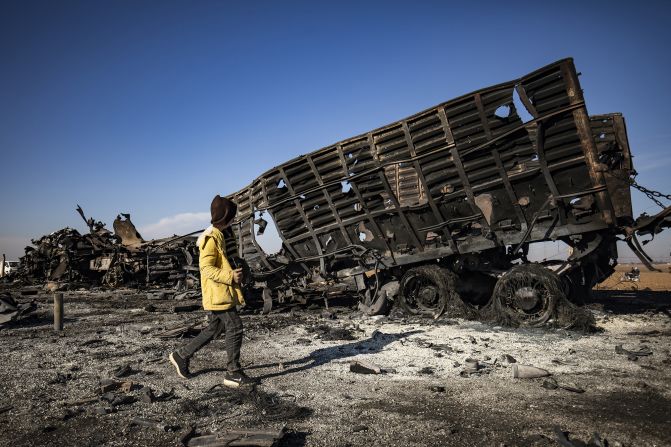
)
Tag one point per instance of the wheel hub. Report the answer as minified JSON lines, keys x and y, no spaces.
{"x":427,"y":295}
{"x":527,"y":298}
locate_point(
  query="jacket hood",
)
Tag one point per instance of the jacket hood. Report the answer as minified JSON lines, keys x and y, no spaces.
{"x":212,"y":232}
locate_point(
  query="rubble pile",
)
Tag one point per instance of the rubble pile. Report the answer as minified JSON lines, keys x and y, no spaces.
{"x":11,"y":311}
{"x":113,"y":259}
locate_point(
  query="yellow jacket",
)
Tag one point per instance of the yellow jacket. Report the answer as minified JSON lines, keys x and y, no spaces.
{"x":220,"y":292}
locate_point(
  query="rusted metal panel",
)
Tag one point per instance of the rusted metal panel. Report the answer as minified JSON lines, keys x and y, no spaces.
{"x":612,"y":145}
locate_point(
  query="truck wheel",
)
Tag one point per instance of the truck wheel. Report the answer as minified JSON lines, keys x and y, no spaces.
{"x":528,"y":294}
{"x":426,"y":290}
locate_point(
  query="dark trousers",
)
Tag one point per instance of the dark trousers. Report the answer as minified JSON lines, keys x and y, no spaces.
{"x":227,"y":321}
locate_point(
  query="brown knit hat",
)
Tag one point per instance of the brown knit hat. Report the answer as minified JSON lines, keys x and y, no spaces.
{"x":222,"y":211}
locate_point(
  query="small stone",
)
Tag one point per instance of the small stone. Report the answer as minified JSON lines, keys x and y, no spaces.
{"x":364,"y":368}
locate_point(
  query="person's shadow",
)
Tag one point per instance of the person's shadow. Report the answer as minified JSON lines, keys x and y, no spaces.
{"x":371,"y":345}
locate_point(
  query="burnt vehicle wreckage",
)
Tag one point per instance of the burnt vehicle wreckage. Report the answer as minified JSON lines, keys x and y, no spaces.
{"x":437,"y":211}
{"x":103,"y":258}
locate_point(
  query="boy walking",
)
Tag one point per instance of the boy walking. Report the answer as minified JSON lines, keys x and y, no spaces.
{"x":221,"y":292}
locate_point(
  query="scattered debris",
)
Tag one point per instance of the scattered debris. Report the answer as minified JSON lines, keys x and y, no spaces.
{"x":185,"y":331}
{"x":238,"y":438}
{"x":595,"y":441}
{"x":427,"y":370}
{"x":11,"y":311}
{"x":471,"y":366}
{"x":118,"y":399}
{"x":552,"y":384}
{"x":103,"y":410}
{"x":70,"y":413}
{"x":107,"y":385}
{"x":327,"y":332}
{"x":101,"y":257}
{"x":361,"y":367}
{"x":186,"y":435}
{"x":528,"y":372}
{"x":633,"y":355}
{"x":122,"y":371}
{"x":147,"y":395}
{"x":186,"y":308}
{"x":151,"y":423}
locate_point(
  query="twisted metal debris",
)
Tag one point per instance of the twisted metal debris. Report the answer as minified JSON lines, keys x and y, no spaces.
{"x":112,"y":259}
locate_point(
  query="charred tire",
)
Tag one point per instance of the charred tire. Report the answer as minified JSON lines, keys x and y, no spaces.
{"x":426,"y":290}
{"x":528,"y":295}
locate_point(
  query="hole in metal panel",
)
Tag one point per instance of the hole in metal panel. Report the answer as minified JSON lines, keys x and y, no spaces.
{"x":365,"y":235}
{"x":521,"y":110}
{"x":502,"y":111}
{"x":260,"y":225}
{"x":267,"y":235}
{"x":549,"y":251}
{"x":281,"y":184}
{"x":346,"y":186}
{"x":447,"y":189}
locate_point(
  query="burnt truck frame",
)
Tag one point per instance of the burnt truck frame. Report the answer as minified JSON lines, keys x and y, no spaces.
{"x":440,"y":208}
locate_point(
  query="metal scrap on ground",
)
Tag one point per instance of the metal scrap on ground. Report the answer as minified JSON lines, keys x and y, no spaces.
{"x":102,"y":258}
{"x":11,"y":311}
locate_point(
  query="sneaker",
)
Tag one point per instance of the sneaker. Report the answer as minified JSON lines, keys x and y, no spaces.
{"x":236,"y":379}
{"x":180,"y":364}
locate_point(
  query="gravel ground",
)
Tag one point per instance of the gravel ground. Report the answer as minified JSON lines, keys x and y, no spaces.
{"x":427,"y":394}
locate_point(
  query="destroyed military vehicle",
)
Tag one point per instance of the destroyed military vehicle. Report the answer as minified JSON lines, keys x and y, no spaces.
{"x":112,"y":259}
{"x":437,"y":211}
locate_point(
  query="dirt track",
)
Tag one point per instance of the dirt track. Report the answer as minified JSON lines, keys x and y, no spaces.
{"x":302,"y":358}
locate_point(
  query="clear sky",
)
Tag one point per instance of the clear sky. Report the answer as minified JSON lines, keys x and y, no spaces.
{"x":153,"y":107}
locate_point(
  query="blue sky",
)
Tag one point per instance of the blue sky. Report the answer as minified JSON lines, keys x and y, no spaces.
{"x":152,"y":108}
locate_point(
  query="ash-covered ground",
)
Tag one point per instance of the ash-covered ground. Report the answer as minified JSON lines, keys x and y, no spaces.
{"x":427,"y":394}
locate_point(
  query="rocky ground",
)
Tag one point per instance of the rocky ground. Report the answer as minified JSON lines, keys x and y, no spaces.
{"x":427,"y":394}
